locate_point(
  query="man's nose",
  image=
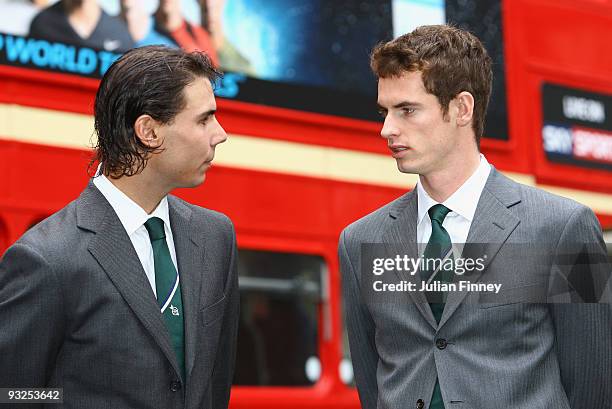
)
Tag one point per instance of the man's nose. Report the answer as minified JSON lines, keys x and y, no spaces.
{"x":220,"y":135}
{"x":389,"y":129}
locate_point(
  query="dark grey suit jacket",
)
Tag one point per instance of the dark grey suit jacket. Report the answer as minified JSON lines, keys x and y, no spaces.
{"x":504,"y":352}
{"x":77,"y":311}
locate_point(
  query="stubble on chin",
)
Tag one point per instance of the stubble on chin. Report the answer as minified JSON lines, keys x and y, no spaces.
{"x":407,"y":168}
{"x":199,"y":180}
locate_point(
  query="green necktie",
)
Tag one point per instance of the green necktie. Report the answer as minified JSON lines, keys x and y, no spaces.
{"x":168,"y":288}
{"x":438,"y":246}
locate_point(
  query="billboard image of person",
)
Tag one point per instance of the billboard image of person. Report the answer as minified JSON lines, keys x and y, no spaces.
{"x":83,"y":23}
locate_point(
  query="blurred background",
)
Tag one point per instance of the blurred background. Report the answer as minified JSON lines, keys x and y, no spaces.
{"x":304,"y":157}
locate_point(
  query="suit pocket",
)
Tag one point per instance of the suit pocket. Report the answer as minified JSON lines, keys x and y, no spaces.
{"x":524,"y":294}
{"x":212,"y":312}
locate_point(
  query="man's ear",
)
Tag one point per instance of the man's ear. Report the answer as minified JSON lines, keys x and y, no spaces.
{"x":144,"y":128}
{"x":464,"y":103}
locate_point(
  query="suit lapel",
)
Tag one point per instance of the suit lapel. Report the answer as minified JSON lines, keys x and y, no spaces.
{"x":492,"y":225}
{"x":114,"y":251}
{"x":190,"y":264}
{"x":402,"y":234}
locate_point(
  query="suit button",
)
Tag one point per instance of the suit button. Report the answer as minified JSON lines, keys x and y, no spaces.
{"x":420,"y":404}
{"x":175,"y":386}
{"x":441,"y":343}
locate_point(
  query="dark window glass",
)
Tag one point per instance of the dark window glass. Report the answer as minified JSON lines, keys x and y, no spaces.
{"x":607,"y":235}
{"x":280,"y":296}
{"x":345,"y":371}
{"x":484,"y":19}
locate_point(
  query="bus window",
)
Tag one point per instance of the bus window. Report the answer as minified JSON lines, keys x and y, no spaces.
{"x":345,"y":371}
{"x":607,"y":235}
{"x":280,"y":294}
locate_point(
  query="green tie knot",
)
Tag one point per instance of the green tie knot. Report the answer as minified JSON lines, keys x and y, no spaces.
{"x":155,"y":227}
{"x":438,"y":213}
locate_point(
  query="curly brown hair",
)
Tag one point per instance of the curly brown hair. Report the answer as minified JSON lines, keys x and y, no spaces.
{"x":451,"y":61}
{"x":147,"y":80}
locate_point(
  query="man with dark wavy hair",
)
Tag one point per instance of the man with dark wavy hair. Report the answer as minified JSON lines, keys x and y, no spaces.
{"x":530,"y":327}
{"x":128,"y":297}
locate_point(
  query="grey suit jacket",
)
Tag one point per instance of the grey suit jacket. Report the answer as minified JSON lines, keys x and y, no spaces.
{"x":505,"y":352}
{"x":77,"y":311}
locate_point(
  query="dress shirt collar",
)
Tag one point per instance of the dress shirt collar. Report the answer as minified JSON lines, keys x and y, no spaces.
{"x":464,"y":200}
{"x":131,"y":215}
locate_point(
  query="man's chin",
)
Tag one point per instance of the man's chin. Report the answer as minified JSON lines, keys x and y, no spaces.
{"x":194,"y":182}
{"x":407,"y":168}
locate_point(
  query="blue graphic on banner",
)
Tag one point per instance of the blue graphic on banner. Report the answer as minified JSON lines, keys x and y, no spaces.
{"x":23,"y":51}
{"x":557,"y":139}
{"x":59,"y":57}
{"x":229,"y":85}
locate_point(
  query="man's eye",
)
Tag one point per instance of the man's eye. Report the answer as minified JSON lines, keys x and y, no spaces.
{"x":407,"y":110}
{"x":382,"y":113}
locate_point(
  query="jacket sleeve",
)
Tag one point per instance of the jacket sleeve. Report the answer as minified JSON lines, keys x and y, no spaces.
{"x":583,"y":324}
{"x":31,"y":318}
{"x":225,"y":360}
{"x":360,"y":328}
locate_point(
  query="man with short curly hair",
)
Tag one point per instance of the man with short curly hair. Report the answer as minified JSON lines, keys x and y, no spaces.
{"x":128,"y":297}
{"x":527,"y":327}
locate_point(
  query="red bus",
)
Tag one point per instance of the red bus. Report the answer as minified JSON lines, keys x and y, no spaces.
{"x":291,"y":180}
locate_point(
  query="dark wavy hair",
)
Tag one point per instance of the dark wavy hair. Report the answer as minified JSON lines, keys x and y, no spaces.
{"x":451,"y":61}
{"x":147,"y":80}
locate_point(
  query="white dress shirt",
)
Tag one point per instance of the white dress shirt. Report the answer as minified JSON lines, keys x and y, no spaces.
{"x":133,"y":218}
{"x":462,"y":204}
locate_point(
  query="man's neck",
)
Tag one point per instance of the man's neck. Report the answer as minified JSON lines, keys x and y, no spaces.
{"x":442,"y":183}
{"x":145,"y":194}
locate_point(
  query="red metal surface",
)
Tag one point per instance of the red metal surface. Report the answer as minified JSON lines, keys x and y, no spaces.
{"x":265,"y":218}
{"x":556,"y":41}
{"x":562,"y":42}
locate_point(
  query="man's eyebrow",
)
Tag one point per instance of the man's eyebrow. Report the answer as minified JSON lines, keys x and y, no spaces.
{"x":206,"y":114}
{"x":403,"y":104}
